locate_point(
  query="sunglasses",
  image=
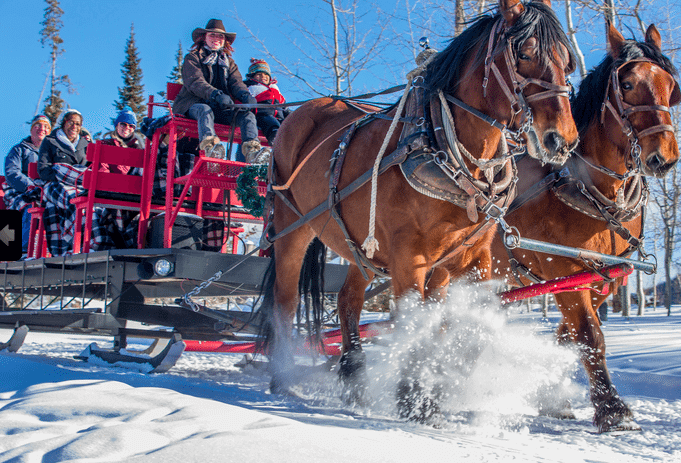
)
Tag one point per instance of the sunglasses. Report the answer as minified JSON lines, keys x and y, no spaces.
{"x":124,"y":124}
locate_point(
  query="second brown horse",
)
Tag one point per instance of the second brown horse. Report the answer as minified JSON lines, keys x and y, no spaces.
{"x":622,"y":111}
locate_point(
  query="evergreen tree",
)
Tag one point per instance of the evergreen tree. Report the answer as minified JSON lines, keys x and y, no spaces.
{"x":176,"y":73}
{"x":132,"y":92}
{"x":49,"y":36}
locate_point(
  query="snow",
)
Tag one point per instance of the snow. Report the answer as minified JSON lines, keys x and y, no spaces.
{"x":54,"y":408}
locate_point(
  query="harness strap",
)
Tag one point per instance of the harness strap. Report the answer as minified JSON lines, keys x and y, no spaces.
{"x":518,"y":268}
{"x":364,"y":118}
{"x":396,"y":157}
{"x":538,"y":188}
{"x":288,"y":183}
{"x":475,"y":112}
{"x":613,"y":224}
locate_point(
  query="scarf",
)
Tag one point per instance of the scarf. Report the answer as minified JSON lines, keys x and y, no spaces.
{"x":61,"y":136}
{"x":218,"y":56}
{"x":130,"y":142}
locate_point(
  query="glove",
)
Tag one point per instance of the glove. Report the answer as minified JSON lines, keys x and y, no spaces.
{"x":221,"y":101}
{"x":149,"y":125}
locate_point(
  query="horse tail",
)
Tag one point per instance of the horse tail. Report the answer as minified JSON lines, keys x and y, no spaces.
{"x":311,"y":288}
{"x":264,"y":315}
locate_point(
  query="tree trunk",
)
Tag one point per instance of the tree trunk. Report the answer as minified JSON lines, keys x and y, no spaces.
{"x":625,"y":300}
{"x":460,"y":18}
{"x":581,"y":65}
{"x":640,"y":295}
{"x":336,"y":66}
{"x":654,"y":280}
{"x":609,"y":10}
{"x":668,"y":247}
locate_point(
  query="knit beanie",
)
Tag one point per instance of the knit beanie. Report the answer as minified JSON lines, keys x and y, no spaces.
{"x":41,"y":118}
{"x":66,"y":114}
{"x":126,"y":115}
{"x":258,"y":65}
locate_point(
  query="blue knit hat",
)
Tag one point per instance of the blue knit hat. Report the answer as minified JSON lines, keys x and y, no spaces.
{"x":126,"y":115}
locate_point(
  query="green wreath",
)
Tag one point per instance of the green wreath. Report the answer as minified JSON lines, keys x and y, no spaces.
{"x":247,"y":188}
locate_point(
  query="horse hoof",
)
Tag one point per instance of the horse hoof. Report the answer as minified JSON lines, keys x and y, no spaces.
{"x":627,"y":424}
{"x":355,"y":394}
{"x":414,"y":404}
{"x":563,"y":412}
{"x":287,"y":390}
{"x":353,"y":378}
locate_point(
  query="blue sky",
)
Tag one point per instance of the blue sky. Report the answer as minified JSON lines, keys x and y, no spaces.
{"x":95,"y":34}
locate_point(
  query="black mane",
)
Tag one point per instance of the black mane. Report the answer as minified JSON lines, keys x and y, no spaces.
{"x":538,"y":20}
{"x":586,"y":106}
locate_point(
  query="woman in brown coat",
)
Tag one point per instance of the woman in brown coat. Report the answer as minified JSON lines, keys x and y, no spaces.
{"x":212,"y":83}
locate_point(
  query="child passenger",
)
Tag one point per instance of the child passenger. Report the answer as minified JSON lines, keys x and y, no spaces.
{"x":264,"y":88}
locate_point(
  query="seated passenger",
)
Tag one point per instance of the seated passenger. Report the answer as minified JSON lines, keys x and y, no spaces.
{"x":212,"y":83}
{"x":124,"y":134}
{"x":61,"y":162}
{"x":115,"y":228}
{"x":265,"y":90}
{"x":18,"y":185}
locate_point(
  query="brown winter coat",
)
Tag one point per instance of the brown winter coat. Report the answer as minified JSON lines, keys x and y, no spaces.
{"x":196,"y":77}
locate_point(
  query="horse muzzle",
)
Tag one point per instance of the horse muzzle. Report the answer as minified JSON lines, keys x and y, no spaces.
{"x":553,"y":148}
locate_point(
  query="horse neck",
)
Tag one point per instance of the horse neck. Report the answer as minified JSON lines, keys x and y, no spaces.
{"x":479,"y":138}
{"x":597,"y":148}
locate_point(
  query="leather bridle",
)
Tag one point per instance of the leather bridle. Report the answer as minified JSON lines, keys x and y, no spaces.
{"x":621,"y":111}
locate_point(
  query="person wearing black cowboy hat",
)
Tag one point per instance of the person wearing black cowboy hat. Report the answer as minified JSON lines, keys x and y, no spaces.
{"x":212,"y":83}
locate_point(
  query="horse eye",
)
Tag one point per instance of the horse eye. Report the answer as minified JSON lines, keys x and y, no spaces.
{"x":522,"y":56}
{"x":627,"y":86}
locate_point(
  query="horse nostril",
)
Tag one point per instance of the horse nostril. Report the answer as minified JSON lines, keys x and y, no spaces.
{"x":656,"y":163}
{"x":553,"y":142}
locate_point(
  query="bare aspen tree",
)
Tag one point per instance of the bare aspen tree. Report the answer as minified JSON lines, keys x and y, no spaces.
{"x":609,"y":10}
{"x":572,"y":34}
{"x":343,"y":40}
{"x":460,"y":18}
{"x":666,"y":196}
{"x":640,"y":292}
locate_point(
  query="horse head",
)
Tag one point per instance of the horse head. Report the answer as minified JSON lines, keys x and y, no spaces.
{"x":638,"y":88}
{"x":516,"y":76}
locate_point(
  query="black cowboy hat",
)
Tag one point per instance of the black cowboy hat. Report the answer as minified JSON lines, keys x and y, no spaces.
{"x":214,"y":25}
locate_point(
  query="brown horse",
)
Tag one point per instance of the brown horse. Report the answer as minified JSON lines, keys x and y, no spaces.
{"x":516,"y":54}
{"x":622,"y":112}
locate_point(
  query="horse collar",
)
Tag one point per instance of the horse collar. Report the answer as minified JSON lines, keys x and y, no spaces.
{"x":579,"y":193}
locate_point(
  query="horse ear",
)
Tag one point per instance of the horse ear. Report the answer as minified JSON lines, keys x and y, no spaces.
{"x":546,"y":2}
{"x":615,"y":39}
{"x":653,"y":37}
{"x":511,"y":10}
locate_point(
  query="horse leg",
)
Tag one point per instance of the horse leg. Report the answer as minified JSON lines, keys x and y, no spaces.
{"x":416,"y":401}
{"x":436,"y":285}
{"x":352,"y":371}
{"x":289,"y":252}
{"x":581,"y":326}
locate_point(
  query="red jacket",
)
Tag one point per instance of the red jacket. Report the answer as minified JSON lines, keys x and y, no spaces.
{"x":266,"y":94}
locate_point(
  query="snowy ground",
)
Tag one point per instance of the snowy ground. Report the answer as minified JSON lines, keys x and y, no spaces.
{"x":54,"y":408}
